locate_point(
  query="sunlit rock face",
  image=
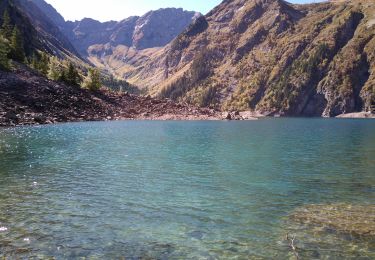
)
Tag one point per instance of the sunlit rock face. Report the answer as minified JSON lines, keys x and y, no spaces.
{"x":272,"y":57}
{"x":158,"y":28}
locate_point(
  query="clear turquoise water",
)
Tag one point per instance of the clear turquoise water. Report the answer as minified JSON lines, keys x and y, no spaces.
{"x":180,"y":190}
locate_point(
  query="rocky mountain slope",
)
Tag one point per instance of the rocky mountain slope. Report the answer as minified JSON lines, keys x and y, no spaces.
{"x":27,"y":98}
{"x":267,"y":56}
{"x":39,"y":31}
{"x":50,"y":12}
{"x":273,"y":57}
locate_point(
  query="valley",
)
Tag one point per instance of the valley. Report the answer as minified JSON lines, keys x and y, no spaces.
{"x":243,"y":132}
{"x":266,"y":57}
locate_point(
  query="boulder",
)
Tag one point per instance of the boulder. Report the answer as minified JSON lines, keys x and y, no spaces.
{"x":226,"y":116}
{"x":40,"y":119}
{"x":11,"y":115}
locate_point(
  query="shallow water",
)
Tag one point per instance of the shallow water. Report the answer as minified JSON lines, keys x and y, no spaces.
{"x":172,"y":190}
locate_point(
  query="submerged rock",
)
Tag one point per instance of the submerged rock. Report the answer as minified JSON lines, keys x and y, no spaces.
{"x":197,"y":234}
{"x":356,"y":220}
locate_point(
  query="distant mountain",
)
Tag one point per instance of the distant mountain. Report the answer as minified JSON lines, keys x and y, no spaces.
{"x":154,"y":29}
{"x":126,"y":44}
{"x":270,"y":56}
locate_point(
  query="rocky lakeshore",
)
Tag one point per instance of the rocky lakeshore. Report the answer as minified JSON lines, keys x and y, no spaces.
{"x":26,"y":98}
{"x":29,"y":99}
{"x":357,"y":115}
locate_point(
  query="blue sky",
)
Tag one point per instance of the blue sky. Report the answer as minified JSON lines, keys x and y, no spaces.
{"x":105,"y":10}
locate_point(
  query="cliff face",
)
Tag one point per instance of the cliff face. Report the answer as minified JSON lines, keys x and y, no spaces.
{"x":158,"y":28}
{"x":273,"y":57}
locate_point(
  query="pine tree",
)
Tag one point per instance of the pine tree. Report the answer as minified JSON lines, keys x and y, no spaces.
{"x":6,"y":27}
{"x":71,"y":76}
{"x":4,"y":51}
{"x":93,"y":81}
{"x":55,"y":70}
{"x":62,"y":77}
{"x":40,"y":62}
{"x":34,"y":61}
{"x":43,"y":64}
{"x":16,"y":44}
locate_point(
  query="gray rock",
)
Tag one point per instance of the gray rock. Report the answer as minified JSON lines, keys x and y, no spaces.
{"x":40,"y":119}
{"x":11,"y":115}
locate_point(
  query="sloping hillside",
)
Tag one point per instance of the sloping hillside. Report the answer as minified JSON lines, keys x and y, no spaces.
{"x":27,"y":98}
{"x":27,"y":30}
{"x":39,"y":32}
{"x":273,"y":57}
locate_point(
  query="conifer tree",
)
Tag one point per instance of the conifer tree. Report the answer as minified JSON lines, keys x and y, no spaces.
{"x":71,"y":76}
{"x":16,"y":44}
{"x":4,"y":51}
{"x":43,"y":64}
{"x":34,"y":61}
{"x":40,"y":62}
{"x":62,"y":76}
{"x":6,"y":28}
{"x":93,"y":81}
{"x":55,"y":70}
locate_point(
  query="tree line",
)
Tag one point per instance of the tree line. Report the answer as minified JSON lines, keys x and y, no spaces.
{"x":11,"y":43}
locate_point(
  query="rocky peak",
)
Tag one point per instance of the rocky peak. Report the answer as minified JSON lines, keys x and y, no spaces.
{"x":158,"y":28}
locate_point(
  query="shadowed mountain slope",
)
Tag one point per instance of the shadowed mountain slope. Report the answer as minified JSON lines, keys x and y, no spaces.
{"x":39,"y":31}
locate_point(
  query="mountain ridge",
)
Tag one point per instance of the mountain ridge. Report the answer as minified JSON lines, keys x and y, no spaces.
{"x":266,"y":56}
{"x":272,"y":57}
{"x":156,"y":28}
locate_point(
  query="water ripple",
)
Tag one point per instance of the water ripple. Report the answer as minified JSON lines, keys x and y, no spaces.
{"x":179,"y":190}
